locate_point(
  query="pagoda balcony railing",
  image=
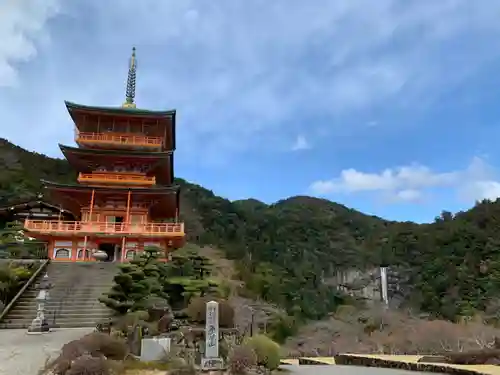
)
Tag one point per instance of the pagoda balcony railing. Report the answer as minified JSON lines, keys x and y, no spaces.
{"x":117,"y":229}
{"x":111,"y":139}
{"x":116,"y":179}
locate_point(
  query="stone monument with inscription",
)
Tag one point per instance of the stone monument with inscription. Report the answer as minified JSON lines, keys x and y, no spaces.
{"x":211,"y":360}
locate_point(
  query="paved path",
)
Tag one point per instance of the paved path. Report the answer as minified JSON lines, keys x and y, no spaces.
{"x":22,"y":354}
{"x":346,"y":370}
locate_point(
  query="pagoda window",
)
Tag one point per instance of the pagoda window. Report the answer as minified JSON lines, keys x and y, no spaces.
{"x":121,"y":127}
{"x":86,"y":217}
{"x":136,"y":219}
{"x":62,"y":253}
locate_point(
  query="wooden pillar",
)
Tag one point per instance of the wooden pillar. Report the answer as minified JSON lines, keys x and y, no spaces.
{"x":91,"y":205}
{"x":123,"y":253}
{"x":74,"y":250}
{"x":50,"y":250}
{"x":84,"y":249}
{"x":127,"y":215}
{"x":89,"y":220}
{"x":126,"y":226}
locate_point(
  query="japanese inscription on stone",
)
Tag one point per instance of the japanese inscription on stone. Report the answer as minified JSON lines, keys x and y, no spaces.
{"x":212,"y":330}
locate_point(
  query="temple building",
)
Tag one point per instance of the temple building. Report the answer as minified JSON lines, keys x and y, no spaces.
{"x":36,"y":208}
{"x":124,"y":198}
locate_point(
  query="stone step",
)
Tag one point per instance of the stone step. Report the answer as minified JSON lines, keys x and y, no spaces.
{"x":95,"y":316}
{"x":83,"y":308}
{"x":66,"y":308}
{"x":69,"y":277}
{"x":81,"y":275}
{"x":82,"y":272}
{"x":89,"y":304}
{"x":55,"y":295}
{"x":73,"y":298}
{"x":60,"y":264}
{"x":56,"y":300}
{"x":68,"y":298}
{"x":66,"y":315}
{"x":25,"y":325}
{"x":73,"y":294}
{"x":60,"y":315}
{"x":69,"y":312}
{"x":59,"y":320}
{"x":61,"y":307}
{"x":75,"y":289}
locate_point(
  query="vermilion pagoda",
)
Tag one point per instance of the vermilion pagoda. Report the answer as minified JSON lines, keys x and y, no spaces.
{"x":125,"y":195}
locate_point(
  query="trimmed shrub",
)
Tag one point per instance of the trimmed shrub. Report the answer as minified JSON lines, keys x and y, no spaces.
{"x":241,"y":359}
{"x":90,"y":355}
{"x":281,"y":327}
{"x":266,"y":350}
{"x":98,"y":343}
{"x":88,"y":365}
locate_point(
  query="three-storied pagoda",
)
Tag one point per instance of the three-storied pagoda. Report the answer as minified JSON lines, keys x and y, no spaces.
{"x":125,"y":195}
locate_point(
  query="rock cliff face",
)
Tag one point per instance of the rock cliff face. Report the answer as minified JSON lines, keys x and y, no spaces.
{"x":368,"y":284}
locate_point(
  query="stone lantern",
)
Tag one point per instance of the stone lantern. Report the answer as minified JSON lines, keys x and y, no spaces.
{"x":39,"y":324}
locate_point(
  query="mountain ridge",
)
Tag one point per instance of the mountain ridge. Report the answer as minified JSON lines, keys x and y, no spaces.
{"x":283,"y":251}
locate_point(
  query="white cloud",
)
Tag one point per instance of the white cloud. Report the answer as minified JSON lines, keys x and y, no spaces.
{"x":409,"y":195}
{"x":411,"y":183}
{"x":478,"y":190}
{"x":301,"y":143}
{"x":22,"y":24}
{"x":414,"y":177}
{"x":237,"y":69}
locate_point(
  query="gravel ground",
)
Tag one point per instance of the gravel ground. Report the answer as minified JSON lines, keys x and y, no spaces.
{"x":22,"y":354}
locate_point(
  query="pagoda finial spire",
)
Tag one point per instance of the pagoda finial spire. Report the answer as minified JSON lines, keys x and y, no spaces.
{"x":130,"y":92}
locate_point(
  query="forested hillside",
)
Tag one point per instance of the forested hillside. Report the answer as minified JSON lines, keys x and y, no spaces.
{"x":284,"y":251}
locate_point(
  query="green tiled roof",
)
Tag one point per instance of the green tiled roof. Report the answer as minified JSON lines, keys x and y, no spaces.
{"x":151,"y":190}
{"x":119,"y":110}
{"x":125,"y":153}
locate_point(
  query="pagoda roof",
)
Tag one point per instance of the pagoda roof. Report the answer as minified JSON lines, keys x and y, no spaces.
{"x":163,"y":199}
{"x":121,"y":111}
{"x":155,"y":190}
{"x":74,"y":109}
{"x":88,"y":160}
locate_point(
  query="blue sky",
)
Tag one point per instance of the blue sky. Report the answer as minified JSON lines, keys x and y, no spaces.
{"x":390,"y":107}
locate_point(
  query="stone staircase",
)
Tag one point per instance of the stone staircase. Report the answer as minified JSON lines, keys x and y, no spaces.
{"x":73,"y":302}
